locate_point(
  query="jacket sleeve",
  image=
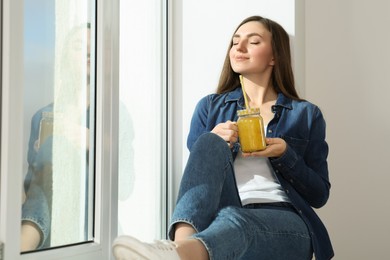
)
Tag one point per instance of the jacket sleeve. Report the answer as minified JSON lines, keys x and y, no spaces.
{"x":307,"y":172}
{"x":199,"y":123}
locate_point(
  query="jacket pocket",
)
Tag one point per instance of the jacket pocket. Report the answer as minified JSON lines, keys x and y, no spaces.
{"x":298,"y":145}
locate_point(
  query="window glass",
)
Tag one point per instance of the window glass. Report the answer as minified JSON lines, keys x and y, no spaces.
{"x":59,"y":107}
{"x":141,"y":112}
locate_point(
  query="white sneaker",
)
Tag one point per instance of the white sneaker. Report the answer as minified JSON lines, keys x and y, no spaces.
{"x":129,"y":248}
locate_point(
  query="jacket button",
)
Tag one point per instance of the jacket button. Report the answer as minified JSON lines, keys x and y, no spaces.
{"x":269,"y":130}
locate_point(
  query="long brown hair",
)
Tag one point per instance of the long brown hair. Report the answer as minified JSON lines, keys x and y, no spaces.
{"x":282,"y":76}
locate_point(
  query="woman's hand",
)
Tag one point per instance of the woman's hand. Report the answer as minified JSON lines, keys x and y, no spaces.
{"x":228,"y":131}
{"x":70,"y":125}
{"x":275,"y":148}
{"x":77,"y":134}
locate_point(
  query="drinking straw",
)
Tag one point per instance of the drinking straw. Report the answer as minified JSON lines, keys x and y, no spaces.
{"x":244,"y":93}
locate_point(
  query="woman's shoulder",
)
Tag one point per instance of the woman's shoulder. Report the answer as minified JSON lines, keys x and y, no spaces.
{"x":298,"y":105}
{"x":307,"y":107}
{"x":38,"y":114}
{"x":304,"y":104}
{"x":47,"y":108}
{"x":292,"y":103}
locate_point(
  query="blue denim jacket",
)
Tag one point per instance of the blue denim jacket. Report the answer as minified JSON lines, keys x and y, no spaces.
{"x":302,"y":170}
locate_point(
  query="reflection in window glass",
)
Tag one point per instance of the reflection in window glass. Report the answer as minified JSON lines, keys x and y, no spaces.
{"x":59,"y":107}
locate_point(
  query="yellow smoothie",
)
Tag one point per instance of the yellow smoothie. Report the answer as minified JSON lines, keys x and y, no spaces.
{"x":251,"y":130}
{"x":46,"y":127}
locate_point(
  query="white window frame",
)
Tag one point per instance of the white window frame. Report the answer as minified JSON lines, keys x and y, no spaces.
{"x":12,"y":150}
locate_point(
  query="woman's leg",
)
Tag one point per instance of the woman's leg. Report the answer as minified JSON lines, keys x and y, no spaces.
{"x":208,"y":184}
{"x":258,"y":233}
{"x":183,"y":231}
{"x":210,"y":222}
{"x":191,"y":249}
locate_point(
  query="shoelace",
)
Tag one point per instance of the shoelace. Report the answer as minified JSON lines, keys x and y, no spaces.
{"x":164,"y":245}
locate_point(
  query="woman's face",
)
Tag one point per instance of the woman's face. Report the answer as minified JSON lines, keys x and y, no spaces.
{"x":80,"y":50}
{"x":251,"y":52}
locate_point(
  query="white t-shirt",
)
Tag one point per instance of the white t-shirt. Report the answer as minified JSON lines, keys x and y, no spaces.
{"x":256,"y":181}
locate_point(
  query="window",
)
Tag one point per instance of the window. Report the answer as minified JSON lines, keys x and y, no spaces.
{"x":56,"y":77}
{"x":59,"y":107}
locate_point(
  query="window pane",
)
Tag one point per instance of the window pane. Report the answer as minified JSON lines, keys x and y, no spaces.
{"x":141,"y":112}
{"x":59,"y":107}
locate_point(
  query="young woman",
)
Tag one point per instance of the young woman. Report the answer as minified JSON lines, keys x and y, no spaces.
{"x":259,"y":205}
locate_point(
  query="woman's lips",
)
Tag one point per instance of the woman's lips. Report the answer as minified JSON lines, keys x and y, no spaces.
{"x":241,"y":58}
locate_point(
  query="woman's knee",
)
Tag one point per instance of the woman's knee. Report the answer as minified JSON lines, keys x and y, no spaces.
{"x":211,"y":143}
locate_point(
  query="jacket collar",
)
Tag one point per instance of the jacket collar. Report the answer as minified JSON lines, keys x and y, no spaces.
{"x":236,"y":96}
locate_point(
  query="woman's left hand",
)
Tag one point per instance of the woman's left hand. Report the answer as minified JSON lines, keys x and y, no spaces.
{"x":275,"y":148}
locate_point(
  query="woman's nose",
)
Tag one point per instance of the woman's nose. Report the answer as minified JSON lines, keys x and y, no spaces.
{"x":240,"y":46}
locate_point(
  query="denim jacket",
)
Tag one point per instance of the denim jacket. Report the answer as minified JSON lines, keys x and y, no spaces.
{"x":302,"y":170}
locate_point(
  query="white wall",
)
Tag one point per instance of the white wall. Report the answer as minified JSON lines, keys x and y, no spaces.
{"x":347,"y":74}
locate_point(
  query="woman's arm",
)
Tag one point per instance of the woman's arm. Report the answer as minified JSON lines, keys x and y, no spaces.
{"x":302,"y":162}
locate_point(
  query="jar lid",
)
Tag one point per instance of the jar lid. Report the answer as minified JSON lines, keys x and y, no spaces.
{"x":249,"y":111}
{"x":47,"y":114}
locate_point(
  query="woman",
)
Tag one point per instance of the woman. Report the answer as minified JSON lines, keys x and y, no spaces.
{"x":235,"y":205}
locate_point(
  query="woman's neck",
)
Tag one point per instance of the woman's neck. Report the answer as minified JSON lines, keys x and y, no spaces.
{"x":259,"y":93}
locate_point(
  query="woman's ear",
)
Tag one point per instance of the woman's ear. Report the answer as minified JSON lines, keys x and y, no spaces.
{"x":272,"y":62}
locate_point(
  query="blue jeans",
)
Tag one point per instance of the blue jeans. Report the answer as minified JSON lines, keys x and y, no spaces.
{"x":208,"y":200}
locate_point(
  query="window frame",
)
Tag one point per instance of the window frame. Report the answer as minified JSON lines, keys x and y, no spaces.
{"x":106,"y":142}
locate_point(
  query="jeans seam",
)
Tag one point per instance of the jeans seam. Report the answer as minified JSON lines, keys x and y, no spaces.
{"x":282,"y":233}
{"x":176,"y":221}
{"x":211,"y":257}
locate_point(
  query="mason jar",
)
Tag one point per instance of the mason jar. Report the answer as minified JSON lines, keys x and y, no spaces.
{"x":45,"y":127}
{"x":251,"y":130}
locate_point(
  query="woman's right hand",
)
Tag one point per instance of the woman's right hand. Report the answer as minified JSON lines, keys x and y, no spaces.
{"x":228,"y":131}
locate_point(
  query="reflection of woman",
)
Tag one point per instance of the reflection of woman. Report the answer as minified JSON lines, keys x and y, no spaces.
{"x":70,"y":112}
{"x":71,"y":103}
{"x":235,"y":205}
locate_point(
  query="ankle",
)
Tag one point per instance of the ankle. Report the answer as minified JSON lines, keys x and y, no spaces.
{"x":183,"y":231}
{"x":191,"y":249}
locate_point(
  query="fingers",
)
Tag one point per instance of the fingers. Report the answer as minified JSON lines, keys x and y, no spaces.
{"x":271,"y":141}
{"x":227,"y":131}
{"x":232,"y":126}
{"x":232,"y":131}
{"x":275,"y":148}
